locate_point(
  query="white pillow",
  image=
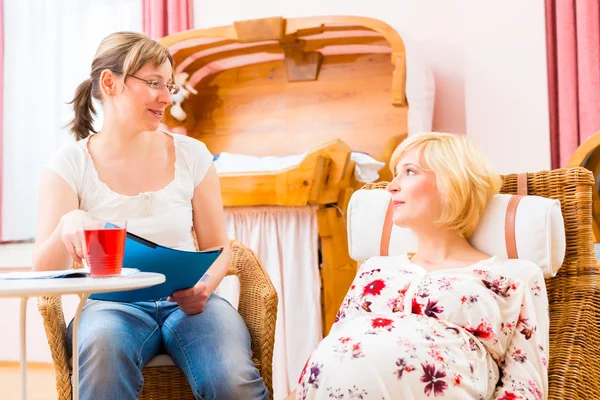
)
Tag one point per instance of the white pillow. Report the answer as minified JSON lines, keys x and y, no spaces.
{"x":539,"y":229}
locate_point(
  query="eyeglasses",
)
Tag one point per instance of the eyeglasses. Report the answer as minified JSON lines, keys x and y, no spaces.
{"x":156,"y":85}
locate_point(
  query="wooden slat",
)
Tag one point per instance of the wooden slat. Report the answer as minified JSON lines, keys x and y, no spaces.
{"x":182,"y":54}
{"x":254,"y":110}
{"x":317,"y":180}
{"x":269,"y":28}
{"x":311,"y":45}
{"x":294,"y":25}
{"x":291,"y":187}
{"x":320,"y":179}
{"x":256,"y":30}
{"x":338,"y":269}
{"x":322,"y":29}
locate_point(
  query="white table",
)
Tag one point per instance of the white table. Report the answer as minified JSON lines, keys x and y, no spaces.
{"x":26,"y":288}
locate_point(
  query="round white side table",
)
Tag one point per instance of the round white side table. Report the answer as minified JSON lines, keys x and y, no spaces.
{"x":26,"y":288}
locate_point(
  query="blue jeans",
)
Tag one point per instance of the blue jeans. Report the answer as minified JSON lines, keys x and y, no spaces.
{"x":212,"y":348}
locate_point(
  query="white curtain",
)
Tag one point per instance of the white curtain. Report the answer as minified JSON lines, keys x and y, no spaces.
{"x":49,"y":47}
{"x":285,"y":239}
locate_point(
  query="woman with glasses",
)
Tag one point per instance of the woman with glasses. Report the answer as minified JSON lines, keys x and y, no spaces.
{"x":163,"y":185}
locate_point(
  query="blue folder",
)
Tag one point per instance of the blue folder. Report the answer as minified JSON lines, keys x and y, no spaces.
{"x":182,"y":269}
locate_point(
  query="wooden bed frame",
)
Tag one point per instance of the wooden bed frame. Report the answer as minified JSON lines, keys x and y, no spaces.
{"x":322,"y":85}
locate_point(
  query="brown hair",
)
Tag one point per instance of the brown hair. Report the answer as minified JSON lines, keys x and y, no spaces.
{"x":123,"y":53}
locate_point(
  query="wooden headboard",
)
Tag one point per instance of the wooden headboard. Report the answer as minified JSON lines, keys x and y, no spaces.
{"x":280,"y":86}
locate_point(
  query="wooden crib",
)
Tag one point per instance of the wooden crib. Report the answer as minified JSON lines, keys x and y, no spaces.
{"x":326,"y":86}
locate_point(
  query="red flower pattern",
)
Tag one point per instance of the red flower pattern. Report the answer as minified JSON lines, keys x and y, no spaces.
{"x":433,"y":378}
{"x":366,"y":306}
{"x":483,"y":330}
{"x":416,"y":307}
{"x":381,"y":322}
{"x":457,"y":379}
{"x":432,"y":309}
{"x":438,"y":297}
{"x":374,"y":288}
{"x":509,"y":396}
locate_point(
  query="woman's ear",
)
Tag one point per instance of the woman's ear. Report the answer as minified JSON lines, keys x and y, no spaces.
{"x":108,"y":83}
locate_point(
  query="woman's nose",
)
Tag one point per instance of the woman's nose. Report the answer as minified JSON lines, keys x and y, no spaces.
{"x":393,"y":186}
{"x":164,"y":96}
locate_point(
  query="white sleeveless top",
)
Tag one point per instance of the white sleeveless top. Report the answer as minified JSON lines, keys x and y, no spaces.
{"x":163,"y":216}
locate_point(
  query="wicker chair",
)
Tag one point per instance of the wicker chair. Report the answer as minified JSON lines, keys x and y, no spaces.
{"x":257,"y":305}
{"x":574,"y":293}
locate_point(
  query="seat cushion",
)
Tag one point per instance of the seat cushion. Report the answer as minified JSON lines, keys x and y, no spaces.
{"x":161,"y":360}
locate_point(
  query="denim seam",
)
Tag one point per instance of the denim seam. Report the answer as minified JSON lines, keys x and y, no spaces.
{"x":183,"y":350}
{"x":139,"y":361}
{"x":139,"y":357}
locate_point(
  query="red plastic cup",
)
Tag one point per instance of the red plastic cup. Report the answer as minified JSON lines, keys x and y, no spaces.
{"x":104,"y":246}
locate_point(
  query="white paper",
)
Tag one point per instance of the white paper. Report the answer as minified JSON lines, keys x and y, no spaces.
{"x":65,"y":273}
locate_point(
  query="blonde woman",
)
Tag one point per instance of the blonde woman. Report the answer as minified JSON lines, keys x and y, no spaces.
{"x":163,"y":185}
{"x":449,"y":321}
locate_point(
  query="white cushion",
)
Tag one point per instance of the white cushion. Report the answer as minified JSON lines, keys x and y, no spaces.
{"x":539,"y":229}
{"x":161,"y":360}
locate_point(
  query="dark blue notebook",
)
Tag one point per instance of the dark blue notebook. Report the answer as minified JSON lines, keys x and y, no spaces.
{"x":182,"y":269}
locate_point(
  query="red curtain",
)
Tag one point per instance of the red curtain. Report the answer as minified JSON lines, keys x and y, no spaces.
{"x":573,"y":44}
{"x":164,"y":17}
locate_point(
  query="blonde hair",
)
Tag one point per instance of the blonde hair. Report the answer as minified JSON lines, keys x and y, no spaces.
{"x":123,"y":53}
{"x":463,"y":176}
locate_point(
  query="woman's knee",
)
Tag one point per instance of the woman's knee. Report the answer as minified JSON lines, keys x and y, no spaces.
{"x":222,"y":367}
{"x":112,"y":337}
{"x":113,"y":342}
{"x":109,"y":367}
{"x":232,"y":380}
{"x":108,"y":360}
{"x":105,"y":345}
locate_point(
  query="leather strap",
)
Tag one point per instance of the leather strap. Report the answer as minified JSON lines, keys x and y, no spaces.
{"x":511,"y":215}
{"x":509,"y":228}
{"x":522,"y":184}
{"x":386,"y":233}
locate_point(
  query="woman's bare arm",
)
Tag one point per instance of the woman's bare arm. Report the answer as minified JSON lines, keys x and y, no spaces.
{"x":209,"y":224}
{"x":56,"y":200}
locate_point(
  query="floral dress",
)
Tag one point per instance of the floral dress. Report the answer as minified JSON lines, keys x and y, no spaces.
{"x":478,"y":332}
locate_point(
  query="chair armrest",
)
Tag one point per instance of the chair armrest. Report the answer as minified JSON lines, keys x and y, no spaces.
{"x":258,"y":306}
{"x":574,"y":337}
{"x":50,"y":307}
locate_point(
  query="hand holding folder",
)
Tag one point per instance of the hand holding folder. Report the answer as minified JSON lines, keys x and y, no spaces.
{"x":193,"y":300}
{"x":182,"y":269}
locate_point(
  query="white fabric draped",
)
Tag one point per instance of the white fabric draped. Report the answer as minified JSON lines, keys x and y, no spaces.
{"x":285,"y":239}
{"x":49,"y":47}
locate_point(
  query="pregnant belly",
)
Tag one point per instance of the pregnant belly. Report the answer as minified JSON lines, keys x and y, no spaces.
{"x":407,"y":334}
{"x":385,"y":354}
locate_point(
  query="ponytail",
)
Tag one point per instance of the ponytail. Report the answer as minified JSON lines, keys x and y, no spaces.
{"x":125,"y":52}
{"x":83,"y":123}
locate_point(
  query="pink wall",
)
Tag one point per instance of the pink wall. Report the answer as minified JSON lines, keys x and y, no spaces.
{"x":488,"y":59}
{"x":506,"y":83}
